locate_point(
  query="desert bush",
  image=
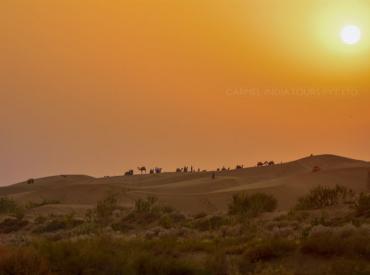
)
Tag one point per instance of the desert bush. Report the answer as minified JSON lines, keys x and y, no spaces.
{"x":7,"y":205}
{"x":200,"y":215}
{"x":147,"y":211}
{"x":331,"y":243}
{"x":58,"y":223}
{"x":24,"y":261}
{"x":349,"y":267}
{"x":104,"y":255}
{"x":40,"y":219}
{"x":12,"y":225}
{"x":321,"y":197}
{"x":105,"y":208}
{"x":147,"y":205}
{"x":166,"y":221}
{"x":272,"y":270}
{"x":210,"y":223}
{"x":149,"y":264}
{"x":217,"y":263}
{"x":31,"y":205}
{"x":269,"y":249}
{"x":252,"y":205}
{"x":362,"y":205}
{"x":323,"y":244}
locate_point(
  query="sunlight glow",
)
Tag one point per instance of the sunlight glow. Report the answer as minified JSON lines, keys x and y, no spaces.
{"x":351,"y":34}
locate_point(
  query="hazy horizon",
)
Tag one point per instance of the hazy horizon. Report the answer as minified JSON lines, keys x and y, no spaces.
{"x":97,"y":88}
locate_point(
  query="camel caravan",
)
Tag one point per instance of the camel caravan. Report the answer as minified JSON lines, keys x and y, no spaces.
{"x":186,"y":169}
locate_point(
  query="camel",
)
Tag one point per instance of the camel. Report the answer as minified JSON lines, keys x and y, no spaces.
{"x":129,"y":173}
{"x":142,"y":169}
{"x":158,"y":170}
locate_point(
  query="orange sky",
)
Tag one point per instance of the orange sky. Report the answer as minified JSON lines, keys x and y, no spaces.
{"x":98,"y":87}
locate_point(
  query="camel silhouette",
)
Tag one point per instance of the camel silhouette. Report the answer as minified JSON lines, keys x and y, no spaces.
{"x":142,"y":169}
{"x":129,"y":173}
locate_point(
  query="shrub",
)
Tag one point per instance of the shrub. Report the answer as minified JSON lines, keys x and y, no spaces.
{"x":105,"y":208}
{"x":252,"y":205}
{"x":104,"y":255}
{"x":12,"y":225}
{"x":146,"y":211}
{"x":58,"y":223}
{"x":328,"y":243}
{"x":31,"y":205}
{"x":147,"y":205}
{"x":321,"y":197}
{"x":24,"y":261}
{"x":210,"y":223}
{"x":349,"y":267}
{"x":217,"y":263}
{"x":7,"y":205}
{"x":323,"y":244}
{"x":269,"y":249}
{"x":362,"y":205}
{"x":271,"y":270}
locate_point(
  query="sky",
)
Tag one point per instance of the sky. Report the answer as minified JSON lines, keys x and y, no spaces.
{"x":99,"y":87}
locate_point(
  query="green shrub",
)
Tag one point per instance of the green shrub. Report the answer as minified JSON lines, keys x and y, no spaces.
{"x":105,"y":208}
{"x":269,"y":249}
{"x":149,"y":264}
{"x":272,"y":270}
{"x":147,"y":205}
{"x":31,"y":205}
{"x":7,"y":205}
{"x":324,"y":244}
{"x":105,"y":255}
{"x":12,"y":225}
{"x":252,"y":205}
{"x":349,"y":267}
{"x":24,"y":261}
{"x":166,"y":221}
{"x":330,"y":244}
{"x":58,"y":223}
{"x":146,"y":211}
{"x":321,"y":197}
{"x":362,"y":205}
{"x":217,"y":263}
{"x":210,"y":223}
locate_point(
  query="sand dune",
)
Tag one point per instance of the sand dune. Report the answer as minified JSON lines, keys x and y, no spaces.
{"x":195,"y":192}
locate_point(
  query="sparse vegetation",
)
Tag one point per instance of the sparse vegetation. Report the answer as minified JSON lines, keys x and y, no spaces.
{"x":269,"y":249}
{"x":56,"y":223}
{"x":12,"y":225}
{"x":152,"y":238}
{"x":7,"y":205}
{"x":252,"y":205}
{"x":321,"y":197}
{"x":31,"y":205}
{"x":362,"y":205}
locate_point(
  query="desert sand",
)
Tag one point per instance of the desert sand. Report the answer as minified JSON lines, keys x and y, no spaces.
{"x":196,"y":192}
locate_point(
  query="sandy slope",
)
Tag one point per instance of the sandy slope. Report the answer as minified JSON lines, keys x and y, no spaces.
{"x":195,"y":192}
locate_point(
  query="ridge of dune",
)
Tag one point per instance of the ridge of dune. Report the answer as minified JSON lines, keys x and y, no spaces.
{"x":195,"y":192}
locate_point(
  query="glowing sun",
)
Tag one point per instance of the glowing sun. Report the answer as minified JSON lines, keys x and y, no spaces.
{"x":351,"y":34}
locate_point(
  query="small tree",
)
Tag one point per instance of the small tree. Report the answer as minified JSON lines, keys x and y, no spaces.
{"x":362,"y":205}
{"x":252,"y":205}
{"x":321,"y":197}
{"x":105,"y":208}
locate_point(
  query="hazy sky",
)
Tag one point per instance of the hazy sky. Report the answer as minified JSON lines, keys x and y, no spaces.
{"x":97,"y":87}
